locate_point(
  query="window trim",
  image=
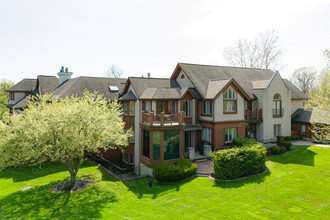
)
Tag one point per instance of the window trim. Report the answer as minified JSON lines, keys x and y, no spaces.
{"x":210,"y":108}
{"x":144,"y":104}
{"x":277,"y":102}
{"x":278,"y":129}
{"x":189,"y":108}
{"x":301,"y":130}
{"x":12,"y":95}
{"x":230,"y":99}
{"x":231,"y":129}
{"x":128,"y":108}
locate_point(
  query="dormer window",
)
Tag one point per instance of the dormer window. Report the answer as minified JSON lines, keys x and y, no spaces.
{"x":230,"y":101}
{"x":12,"y":96}
{"x":277,"y":106}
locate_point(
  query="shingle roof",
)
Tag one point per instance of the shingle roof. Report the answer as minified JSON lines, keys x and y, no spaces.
{"x":78,"y":85}
{"x":24,"y":85}
{"x":47,"y":84}
{"x":214,"y":86}
{"x":201,"y":75}
{"x":208,"y":78}
{"x":140,"y":84}
{"x":128,"y":96}
{"x":161,"y":93}
{"x":295,"y":92}
{"x":314,"y":116}
{"x":22,"y":103}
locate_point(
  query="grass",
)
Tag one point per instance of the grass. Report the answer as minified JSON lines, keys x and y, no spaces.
{"x":297,"y":186}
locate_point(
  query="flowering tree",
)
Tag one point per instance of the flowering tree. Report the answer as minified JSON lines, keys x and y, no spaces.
{"x":63,"y":130}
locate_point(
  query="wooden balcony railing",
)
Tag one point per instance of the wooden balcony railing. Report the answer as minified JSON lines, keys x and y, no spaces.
{"x":162,"y":119}
{"x":253,"y":114}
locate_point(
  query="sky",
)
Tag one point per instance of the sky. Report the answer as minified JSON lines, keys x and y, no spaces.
{"x":37,"y":37}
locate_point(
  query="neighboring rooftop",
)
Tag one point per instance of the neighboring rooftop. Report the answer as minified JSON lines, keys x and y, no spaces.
{"x":46,"y":84}
{"x":26,"y":85}
{"x":314,"y":116}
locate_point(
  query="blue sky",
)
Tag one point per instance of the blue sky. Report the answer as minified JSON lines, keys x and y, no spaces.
{"x":38,"y":37}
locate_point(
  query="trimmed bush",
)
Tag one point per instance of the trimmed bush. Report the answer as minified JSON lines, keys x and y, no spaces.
{"x":287,"y":138}
{"x":286,"y":144}
{"x":239,"y":161}
{"x":292,"y":138}
{"x":183,"y":169}
{"x":240,"y":142}
{"x":274,"y":150}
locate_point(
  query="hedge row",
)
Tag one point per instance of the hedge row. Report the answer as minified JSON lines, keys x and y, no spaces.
{"x":243,"y":160}
{"x":292,"y":138}
{"x":244,"y":142}
{"x":183,"y":169}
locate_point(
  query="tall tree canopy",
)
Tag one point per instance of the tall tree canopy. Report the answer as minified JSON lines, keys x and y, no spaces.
{"x":4,"y":86}
{"x":319,"y":102}
{"x":304,"y":78}
{"x":62,"y":130}
{"x":114,"y":71}
{"x":262,"y":52}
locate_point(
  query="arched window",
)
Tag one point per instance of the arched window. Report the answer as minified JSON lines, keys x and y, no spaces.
{"x":277,"y":105}
{"x":230,"y":101}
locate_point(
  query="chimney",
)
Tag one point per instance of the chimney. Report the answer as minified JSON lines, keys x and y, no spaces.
{"x":64,"y":76}
{"x":148,"y":75}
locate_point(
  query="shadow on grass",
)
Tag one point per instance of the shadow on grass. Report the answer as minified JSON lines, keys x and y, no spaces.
{"x":141,"y":189}
{"x":259,"y":178}
{"x":19,"y":174}
{"x":300,"y":155}
{"x":40,"y":203}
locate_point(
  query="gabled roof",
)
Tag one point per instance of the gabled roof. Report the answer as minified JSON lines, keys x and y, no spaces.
{"x":128,"y":97}
{"x":295,"y":92}
{"x":46,"y":84}
{"x":206,"y":78}
{"x":201,"y":75}
{"x":314,"y":116}
{"x":140,"y":84}
{"x":26,"y":85}
{"x":161,"y":93}
{"x":214,"y":86}
{"x":78,"y":85}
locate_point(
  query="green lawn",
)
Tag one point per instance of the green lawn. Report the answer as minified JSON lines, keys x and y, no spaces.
{"x":297,"y":185}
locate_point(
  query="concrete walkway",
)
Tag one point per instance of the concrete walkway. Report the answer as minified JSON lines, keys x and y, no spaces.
{"x":205,"y":167}
{"x":304,"y":142}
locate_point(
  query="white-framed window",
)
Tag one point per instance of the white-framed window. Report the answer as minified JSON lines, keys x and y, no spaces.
{"x":230,"y":134}
{"x":230,"y":100}
{"x":125,"y":106}
{"x":277,"y":130}
{"x":206,"y":134}
{"x":186,"y":107}
{"x":207,"y":107}
{"x":303,"y":129}
{"x":128,"y":158}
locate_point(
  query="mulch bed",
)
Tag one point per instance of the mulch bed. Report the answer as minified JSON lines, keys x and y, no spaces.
{"x":65,"y":187}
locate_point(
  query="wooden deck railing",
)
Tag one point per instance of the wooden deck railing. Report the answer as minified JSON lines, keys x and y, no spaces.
{"x":162,"y":118}
{"x":253,"y":114}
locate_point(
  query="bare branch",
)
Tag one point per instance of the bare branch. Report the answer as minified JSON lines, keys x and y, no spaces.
{"x":114,"y":71}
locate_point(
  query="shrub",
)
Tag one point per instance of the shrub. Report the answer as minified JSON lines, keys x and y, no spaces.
{"x":286,"y":144}
{"x":165,"y":172}
{"x":283,"y":149}
{"x":274,"y":150}
{"x":239,"y":162}
{"x":287,"y":138}
{"x":240,"y":142}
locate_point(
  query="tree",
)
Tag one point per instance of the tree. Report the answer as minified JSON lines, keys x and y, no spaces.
{"x":319,"y":102}
{"x":62,"y":131}
{"x":4,"y":86}
{"x":262,"y":52}
{"x":304,"y":78}
{"x":114,"y":71}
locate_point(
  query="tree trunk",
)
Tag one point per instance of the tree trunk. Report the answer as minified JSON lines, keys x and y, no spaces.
{"x":73,"y":172}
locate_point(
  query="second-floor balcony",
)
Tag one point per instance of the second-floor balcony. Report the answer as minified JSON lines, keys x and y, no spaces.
{"x":162,"y":119}
{"x":253,"y":114}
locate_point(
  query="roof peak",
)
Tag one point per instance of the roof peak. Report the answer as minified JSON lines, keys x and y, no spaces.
{"x":234,"y":67}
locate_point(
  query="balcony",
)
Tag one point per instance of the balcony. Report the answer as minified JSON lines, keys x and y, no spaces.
{"x":162,"y":119}
{"x":253,"y":115}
